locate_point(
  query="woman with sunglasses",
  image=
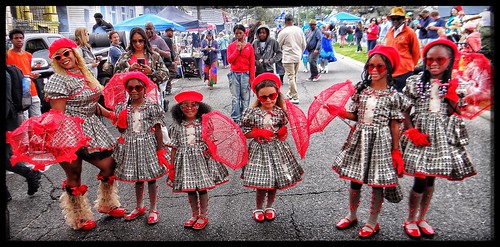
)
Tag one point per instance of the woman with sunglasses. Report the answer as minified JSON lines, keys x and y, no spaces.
{"x":139,"y":153}
{"x":73,"y":90}
{"x":435,"y":137}
{"x":141,"y":57}
{"x":371,"y":152}
{"x":196,"y":171}
{"x":271,"y":163}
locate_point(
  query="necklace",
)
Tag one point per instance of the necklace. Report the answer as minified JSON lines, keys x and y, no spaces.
{"x":424,"y":89}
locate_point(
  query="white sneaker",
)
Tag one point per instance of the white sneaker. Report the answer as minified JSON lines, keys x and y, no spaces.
{"x":288,"y":95}
{"x":295,"y":101}
{"x":305,"y":70}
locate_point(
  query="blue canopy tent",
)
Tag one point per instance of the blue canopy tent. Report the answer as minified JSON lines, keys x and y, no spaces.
{"x":139,"y":21}
{"x":343,"y":16}
{"x":180,"y":17}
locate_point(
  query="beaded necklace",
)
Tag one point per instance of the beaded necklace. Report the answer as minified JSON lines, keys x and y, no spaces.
{"x":424,"y":89}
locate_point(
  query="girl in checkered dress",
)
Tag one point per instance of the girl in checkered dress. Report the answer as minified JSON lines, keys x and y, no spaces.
{"x":196,"y":171}
{"x":139,"y":153}
{"x":371,"y":153}
{"x":434,"y":141}
{"x":271,"y":162}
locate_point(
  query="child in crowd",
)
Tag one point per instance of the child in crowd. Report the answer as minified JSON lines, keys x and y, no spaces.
{"x":139,"y":153}
{"x":271,"y":163}
{"x":371,"y":153}
{"x":195,"y":170}
{"x":435,"y":137}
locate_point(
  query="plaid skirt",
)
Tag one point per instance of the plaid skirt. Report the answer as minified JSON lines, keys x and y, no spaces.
{"x":271,"y":165}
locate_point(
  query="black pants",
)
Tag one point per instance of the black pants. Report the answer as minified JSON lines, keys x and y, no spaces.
{"x":400,"y":81}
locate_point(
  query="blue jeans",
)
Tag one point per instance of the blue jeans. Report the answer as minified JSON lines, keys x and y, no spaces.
{"x":370,"y":44}
{"x":223,"y":55}
{"x":239,"y":85}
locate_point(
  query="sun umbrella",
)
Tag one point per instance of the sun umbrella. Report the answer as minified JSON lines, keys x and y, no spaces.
{"x":474,"y":74}
{"x":114,"y":91}
{"x":47,"y":139}
{"x":225,"y":140}
{"x":299,"y":127}
{"x":318,"y":116}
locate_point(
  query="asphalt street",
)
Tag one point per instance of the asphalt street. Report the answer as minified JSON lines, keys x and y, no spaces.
{"x":460,"y":210}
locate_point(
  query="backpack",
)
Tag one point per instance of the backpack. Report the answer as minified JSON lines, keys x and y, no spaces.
{"x":21,"y":88}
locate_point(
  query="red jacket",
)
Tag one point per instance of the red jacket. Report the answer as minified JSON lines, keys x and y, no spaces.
{"x":373,"y":34}
{"x":242,"y":61}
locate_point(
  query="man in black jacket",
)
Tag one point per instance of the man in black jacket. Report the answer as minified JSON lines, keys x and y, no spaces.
{"x":12,"y":121}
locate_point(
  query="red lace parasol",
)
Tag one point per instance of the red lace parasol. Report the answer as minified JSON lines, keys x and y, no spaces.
{"x":299,"y":127}
{"x":318,"y":116}
{"x":47,"y":139}
{"x":114,"y":91}
{"x":225,"y":140}
{"x":474,"y":74}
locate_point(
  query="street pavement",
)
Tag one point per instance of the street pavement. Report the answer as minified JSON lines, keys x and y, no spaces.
{"x":460,"y":210}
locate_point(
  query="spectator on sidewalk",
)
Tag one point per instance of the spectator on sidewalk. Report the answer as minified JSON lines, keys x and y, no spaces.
{"x":436,"y":23}
{"x":241,"y":57}
{"x":22,"y":59}
{"x":293,"y":44}
{"x":424,"y":21}
{"x":172,"y":65}
{"x":372,"y":34}
{"x":100,"y":23}
{"x":313,"y":42}
{"x":405,"y":40}
{"x":11,"y":123}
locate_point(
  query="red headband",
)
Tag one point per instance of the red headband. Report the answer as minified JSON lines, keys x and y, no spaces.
{"x":61,"y":43}
{"x":188,"y":95}
{"x":264,"y":77}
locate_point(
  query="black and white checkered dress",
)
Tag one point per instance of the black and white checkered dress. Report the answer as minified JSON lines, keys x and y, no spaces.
{"x":136,"y":159}
{"x":272,"y":164}
{"x":366,"y":157}
{"x":195,"y":169}
{"x":430,"y":116}
{"x":81,"y":102}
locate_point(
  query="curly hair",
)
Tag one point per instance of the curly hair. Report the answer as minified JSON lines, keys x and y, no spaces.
{"x":178,"y":115}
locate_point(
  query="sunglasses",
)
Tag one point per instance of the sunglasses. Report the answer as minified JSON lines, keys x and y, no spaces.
{"x":264,"y":98}
{"x":440,"y":60}
{"x":137,"y":88}
{"x":62,"y":54}
{"x":138,"y":41}
{"x":187,"y":107}
{"x":380,"y":67}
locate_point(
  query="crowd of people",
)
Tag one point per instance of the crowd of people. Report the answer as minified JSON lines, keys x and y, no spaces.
{"x":386,"y":143}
